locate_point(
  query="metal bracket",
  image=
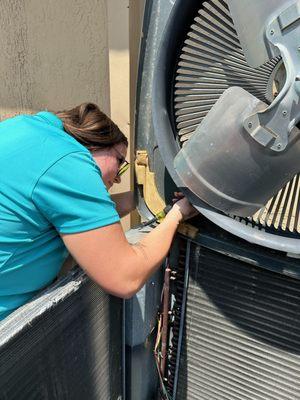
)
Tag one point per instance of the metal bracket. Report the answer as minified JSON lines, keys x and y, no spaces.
{"x":188,"y":230}
{"x":146,"y":178}
{"x":272,"y":127}
{"x":153,"y":201}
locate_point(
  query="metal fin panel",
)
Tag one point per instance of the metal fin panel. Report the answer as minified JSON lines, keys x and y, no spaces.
{"x":242,"y":330}
{"x":66,"y":344}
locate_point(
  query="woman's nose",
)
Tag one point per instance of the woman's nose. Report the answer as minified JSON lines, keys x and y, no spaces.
{"x":117,"y":179}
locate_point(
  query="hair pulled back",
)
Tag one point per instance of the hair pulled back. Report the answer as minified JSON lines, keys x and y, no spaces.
{"x":91,"y":127}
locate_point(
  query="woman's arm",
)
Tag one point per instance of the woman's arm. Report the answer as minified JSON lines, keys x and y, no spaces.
{"x":124,"y":202}
{"x":118,"y":267}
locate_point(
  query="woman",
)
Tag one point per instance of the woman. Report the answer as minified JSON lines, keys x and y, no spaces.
{"x":56,"y":170}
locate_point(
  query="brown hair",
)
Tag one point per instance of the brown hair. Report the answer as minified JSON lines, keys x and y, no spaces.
{"x":91,"y":127}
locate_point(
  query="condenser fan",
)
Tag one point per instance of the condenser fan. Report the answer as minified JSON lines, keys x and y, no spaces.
{"x":212,"y":60}
{"x":209,"y":60}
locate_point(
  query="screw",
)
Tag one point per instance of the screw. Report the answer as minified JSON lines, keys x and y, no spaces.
{"x":272,"y":32}
{"x":250,"y":125}
{"x":279,"y":146}
{"x":284,"y":113}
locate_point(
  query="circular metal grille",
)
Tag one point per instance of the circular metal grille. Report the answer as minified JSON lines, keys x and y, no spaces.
{"x":211,"y":60}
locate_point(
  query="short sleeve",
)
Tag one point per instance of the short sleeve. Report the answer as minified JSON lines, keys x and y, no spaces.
{"x":72,"y":196}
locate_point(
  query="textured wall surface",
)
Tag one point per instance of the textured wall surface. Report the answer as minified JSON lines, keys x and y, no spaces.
{"x":54,"y":54}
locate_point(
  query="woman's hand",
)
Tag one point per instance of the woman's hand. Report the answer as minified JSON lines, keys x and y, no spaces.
{"x":182,"y":207}
{"x":185,"y":208}
{"x":177,"y":196}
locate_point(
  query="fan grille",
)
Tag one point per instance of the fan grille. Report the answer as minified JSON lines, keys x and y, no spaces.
{"x":212,"y":60}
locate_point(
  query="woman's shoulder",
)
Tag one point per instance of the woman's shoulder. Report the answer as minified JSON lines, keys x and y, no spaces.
{"x":40,"y":138}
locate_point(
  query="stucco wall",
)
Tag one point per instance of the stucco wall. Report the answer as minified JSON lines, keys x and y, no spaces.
{"x":54,"y":54}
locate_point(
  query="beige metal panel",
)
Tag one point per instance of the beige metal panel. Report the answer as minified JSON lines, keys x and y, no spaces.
{"x":118,"y":39}
{"x":136,"y":15}
{"x":54,"y":54}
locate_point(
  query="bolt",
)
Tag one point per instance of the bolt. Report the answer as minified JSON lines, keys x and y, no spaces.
{"x":250,"y":125}
{"x":279,"y":146}
{"x":272,"y":32}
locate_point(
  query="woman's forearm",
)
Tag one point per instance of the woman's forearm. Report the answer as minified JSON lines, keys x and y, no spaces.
{"x":153,"y":248}
{"x":121,"y":268}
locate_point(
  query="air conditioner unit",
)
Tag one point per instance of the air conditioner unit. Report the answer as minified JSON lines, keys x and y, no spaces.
{"x":235,"y":334}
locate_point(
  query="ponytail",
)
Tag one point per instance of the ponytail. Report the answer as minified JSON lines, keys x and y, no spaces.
{"x":91,"y":127}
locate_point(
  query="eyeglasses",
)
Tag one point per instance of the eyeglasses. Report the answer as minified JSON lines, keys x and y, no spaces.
{"x":123,"y":168}
{"x":123,"y":164}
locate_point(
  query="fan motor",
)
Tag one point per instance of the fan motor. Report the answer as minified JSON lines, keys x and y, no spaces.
{"x":211,"y":61}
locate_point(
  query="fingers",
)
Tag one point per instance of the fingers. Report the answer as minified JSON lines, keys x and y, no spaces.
{"x":178,"y":196}
{"x":186,"y":208}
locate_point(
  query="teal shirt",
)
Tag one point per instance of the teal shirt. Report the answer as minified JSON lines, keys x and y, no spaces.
{"x":49,"y":185}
